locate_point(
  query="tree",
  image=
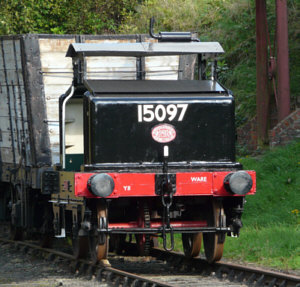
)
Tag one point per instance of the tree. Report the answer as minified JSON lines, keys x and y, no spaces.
{"x":64,"y":16}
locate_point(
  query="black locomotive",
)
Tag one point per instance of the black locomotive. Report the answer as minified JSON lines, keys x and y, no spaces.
{"x":146,"y":147}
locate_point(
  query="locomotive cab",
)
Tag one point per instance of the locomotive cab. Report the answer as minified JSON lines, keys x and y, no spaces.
{"x":194,"y":119}
{"x":155,"y":142}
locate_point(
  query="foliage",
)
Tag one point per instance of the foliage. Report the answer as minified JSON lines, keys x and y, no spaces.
{"x":191,"y":15}
{"x":232,"y":23}
{"x":63,"y":17}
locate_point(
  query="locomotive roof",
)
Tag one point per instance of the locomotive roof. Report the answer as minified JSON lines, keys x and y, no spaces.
{"x":153,"y":86}
{"x":143,"y":49}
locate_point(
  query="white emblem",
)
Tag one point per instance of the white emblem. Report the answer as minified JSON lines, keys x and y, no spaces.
{"x":163,"y":133}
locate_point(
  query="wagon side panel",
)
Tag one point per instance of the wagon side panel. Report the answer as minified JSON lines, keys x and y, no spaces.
{"x":14,"y":129}
{"x":36,"y":106}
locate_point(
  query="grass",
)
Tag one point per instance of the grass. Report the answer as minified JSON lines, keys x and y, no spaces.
{"x":278,"y":187}
{"x":275,"y":246}
{"x":271,"y":232}
{"x":271,"y":235}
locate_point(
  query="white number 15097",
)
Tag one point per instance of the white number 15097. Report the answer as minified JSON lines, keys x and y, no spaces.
{"x":149,"y":113}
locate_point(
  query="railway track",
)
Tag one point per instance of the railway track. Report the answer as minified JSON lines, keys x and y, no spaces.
{"x":151,"y":272}
{"x":112,"y":276}
{"x":162,"y":269}
{"x":233,"y":272}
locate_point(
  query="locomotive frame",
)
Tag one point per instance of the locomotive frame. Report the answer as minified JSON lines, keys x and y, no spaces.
{"x":117,"y":187}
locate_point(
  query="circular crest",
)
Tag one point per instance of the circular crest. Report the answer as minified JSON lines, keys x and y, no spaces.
{"x":163,"y":133}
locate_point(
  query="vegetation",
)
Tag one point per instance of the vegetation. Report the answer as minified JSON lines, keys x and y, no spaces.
{"x":271,"y":235}
{"x":232,"y":23}
{"x":63,"y":17}
{"x":274,"y":246}
{"x":278,"y":185}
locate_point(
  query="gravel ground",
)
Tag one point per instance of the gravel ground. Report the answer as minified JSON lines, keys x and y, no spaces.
{"x":17,"y":269}
{"x":158,"y":270}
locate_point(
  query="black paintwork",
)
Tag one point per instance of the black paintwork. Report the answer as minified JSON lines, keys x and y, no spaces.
{"x":50,"y":182}
{"x":115,"y":135}
{"x":39,"y":136}
{"x":172,"y":166}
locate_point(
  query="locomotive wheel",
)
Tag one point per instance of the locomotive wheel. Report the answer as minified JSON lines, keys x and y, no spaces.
{"x":191,"y":244}
{"x":80,"y":246}
{"x":144,"y":240}
{"x":99,"y":252}
{"x":214,"y":242}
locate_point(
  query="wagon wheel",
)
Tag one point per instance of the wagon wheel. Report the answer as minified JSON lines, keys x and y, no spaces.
{"x":99,"y":246}
{"x":46,"y":230}
{"x":80,"y":246}
{"x":16,"y":232}
{"x":144,"y":240}
{"x":46,"y":240}
{"x":191,"y":244}
{"x":214,"y":242}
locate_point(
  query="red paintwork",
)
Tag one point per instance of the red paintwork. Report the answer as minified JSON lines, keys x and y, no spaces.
{"x":126,"y":184}
{"x":158,"y":224}
{"x":194,"y":183}
{"x":143,"y":184}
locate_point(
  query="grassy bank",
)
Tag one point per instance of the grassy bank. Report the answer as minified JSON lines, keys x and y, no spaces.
{"x":278,"y":187}
{"x":273,"y":246}
{"x":271,"y":232}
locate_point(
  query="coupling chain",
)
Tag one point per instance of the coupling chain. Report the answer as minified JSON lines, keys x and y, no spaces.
{"x":167,"y":200}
